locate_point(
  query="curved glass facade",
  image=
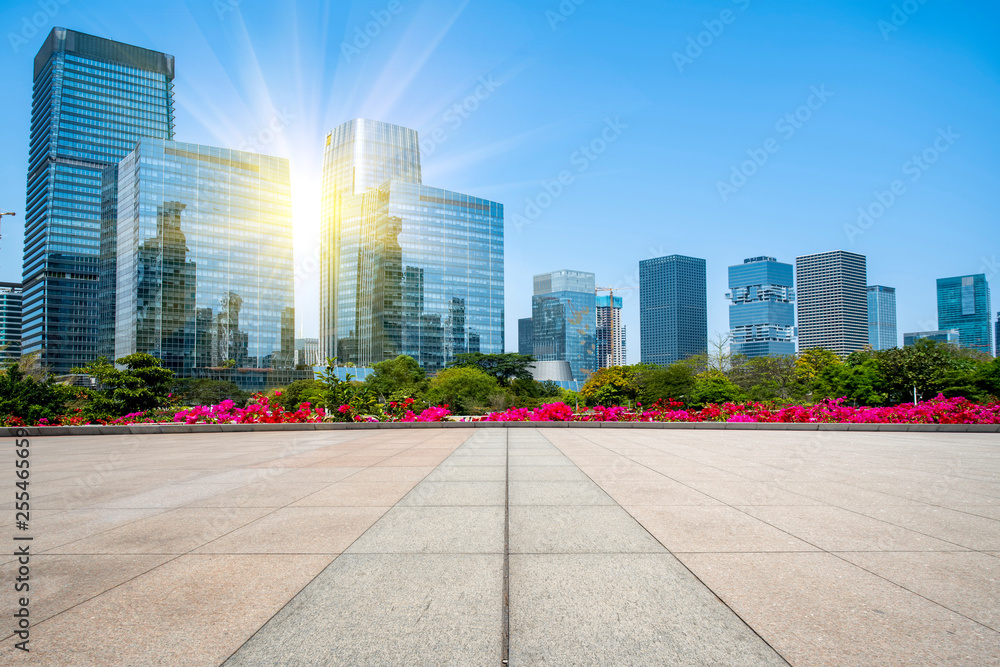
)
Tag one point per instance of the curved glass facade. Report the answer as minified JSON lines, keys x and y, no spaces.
{"x":204,"y":245}
{"x":564,"y":320}
{"x":406,"y":268}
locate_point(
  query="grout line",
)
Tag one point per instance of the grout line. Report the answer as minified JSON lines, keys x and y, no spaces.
{"x":505,"y":617}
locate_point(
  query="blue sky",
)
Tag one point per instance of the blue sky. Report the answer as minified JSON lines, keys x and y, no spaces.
{"x":650,"y":106}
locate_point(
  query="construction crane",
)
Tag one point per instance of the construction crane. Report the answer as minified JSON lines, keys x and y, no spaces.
{"x":611,"y":301}
{"x":2,"y":215}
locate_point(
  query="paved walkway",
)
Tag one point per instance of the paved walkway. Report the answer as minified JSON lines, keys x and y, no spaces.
{"x":547,"y":546}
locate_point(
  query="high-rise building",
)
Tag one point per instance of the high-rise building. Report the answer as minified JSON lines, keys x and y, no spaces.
{"x":92,"y":100}
{"x":307,"y":352}
{"x":964,"y":303}
{"x":610,"y":333}
{"x":204,"y":244}
{"x":832,"y":301}
{"x":882,"y":317}
{"x":564,"y":320}
{"x":525,"y":336}
{"x":673,"y":309}
{"x":762,"y":308}
{"x":405,"y":268}
{"x":951,"y":337}
{"x":10,"y":321}
{"x":996,"y":336}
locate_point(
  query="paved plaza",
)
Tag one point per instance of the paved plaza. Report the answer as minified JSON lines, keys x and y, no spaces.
{"x":561,"y":546}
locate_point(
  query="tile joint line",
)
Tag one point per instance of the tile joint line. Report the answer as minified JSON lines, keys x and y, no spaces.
{"x":505,"y":615}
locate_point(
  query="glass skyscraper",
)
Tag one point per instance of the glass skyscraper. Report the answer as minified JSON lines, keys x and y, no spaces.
{"x":610,"y":332}
{"x":10,"y":321}
{"x":831,"y":290}
{"x":564,"y":320}
{"x":951,"y":337}
{"x":525,"y":336}
{"x":92,"y":100}
{"x":204,"y":245}
{"x":405,"y":268}
{"x":762,"y":310}
{"x":882,"y":317}
{"x":673,"y":309}
{"x":964,"y":303}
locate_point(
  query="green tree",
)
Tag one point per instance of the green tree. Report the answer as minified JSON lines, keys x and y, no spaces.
{"x":811,"y":363}
{"x":617,"y":385}
{"x":28,"y":398}
{"x":765,"y":378}
{"x":922,"y":366}
{"x":143,"y":385}
{"x":462,"y":388}
{"x":713,"y":386}
{"x":987,"y":378}
{"x":401,"y":377}
{"x":503,"y":367}
{"x":665,"y":382}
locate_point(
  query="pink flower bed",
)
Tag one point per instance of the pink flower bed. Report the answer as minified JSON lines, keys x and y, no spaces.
{"x":939,"y":410}
{"x":260,"y":411}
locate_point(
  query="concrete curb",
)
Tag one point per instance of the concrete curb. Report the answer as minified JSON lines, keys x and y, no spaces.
{"x":174,"y":429}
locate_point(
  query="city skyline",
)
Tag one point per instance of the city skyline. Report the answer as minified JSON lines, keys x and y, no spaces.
{"x":232,"y":75}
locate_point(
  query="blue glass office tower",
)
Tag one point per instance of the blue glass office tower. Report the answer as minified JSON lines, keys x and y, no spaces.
{"x":564,"y":320}
{"x":762,"y":310}
{"x":405,"y":268}
{"x":882,"y":317}
{"x":92,"y":100}
{"x":10,"y":322}
{"x":205,"y":271}
{"x":673,"y":309}
{"x":964,"y":303}
{"x":525,"y":336}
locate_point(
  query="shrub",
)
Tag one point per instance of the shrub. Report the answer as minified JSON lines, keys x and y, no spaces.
{"x":462,"y":389}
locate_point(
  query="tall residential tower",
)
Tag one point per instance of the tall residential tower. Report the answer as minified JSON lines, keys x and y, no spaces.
{"x":610,"y":347}
{"x":882,"y":333}
{"x":92,"y":100}
{"x":10,"y":321}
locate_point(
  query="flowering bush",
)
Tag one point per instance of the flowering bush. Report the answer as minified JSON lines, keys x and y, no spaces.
{"x":939,"y":410}
{"x":258,"y":411}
